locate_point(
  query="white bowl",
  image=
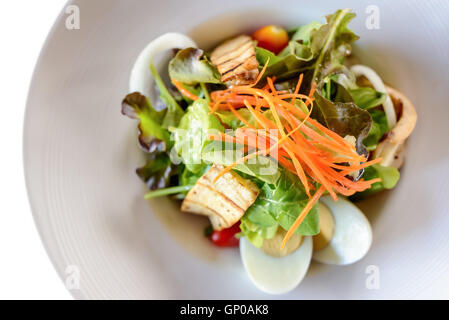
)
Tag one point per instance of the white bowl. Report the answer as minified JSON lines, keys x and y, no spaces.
{"x":81,"y":153}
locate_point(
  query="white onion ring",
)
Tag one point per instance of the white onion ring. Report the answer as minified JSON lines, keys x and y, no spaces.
{"x":376,"y":81}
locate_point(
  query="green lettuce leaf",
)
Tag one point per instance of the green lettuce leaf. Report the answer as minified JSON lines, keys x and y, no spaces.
{"x":190,"y":66}
{"x":263,"y":168}
{"x":316,"y":50}
{"x":191,"y":135}
{"x":378,"y":129}
{"x":280,"y":205}
{"x":293,"y":58}
{"x":262,"y":56}
{"x":334,"y":91}
{"x":228,"y":118}
{"x":303,"y":33}
{"x":189,"y":178}
{"x":389,"y":175}
{"x":367,"y":98}
{"x":331,"y":43}
{"x":256,"y":233}
{"x":174,"y":111}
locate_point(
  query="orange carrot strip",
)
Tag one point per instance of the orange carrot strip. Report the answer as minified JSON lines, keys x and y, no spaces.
{"x":312,"y":92}
{"x":238,"y":116}
{"x":271,"y":86}
{"x":258,"y":109}
{"x":216,"y":105}
{"x":352,"y":168}
{"x":303,"y":215}
{"x":241,"y":160}
{"x":295,"y":96}
{"x":261,"y":73}
{"x":265,"y":122}
{"x":298,"y":86}
{"x":183,"y":91}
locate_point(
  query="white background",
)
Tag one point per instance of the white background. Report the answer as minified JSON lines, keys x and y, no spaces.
{"x":25,"y":269}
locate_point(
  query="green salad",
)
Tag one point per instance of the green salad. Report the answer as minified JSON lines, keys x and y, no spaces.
{"x":254,"y":132}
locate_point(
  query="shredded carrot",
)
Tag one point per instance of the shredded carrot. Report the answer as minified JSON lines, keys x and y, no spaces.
{"x":183,"y":91}
{"x":319,"y":157}
{"x":298,"y":86}
{"x":262,"y":72}
{"x":312,"y":92}
{"x":238,"y":116}
{"x":216,"y":106}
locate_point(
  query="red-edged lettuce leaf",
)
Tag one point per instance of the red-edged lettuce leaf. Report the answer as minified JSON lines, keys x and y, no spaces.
{"x":158,"y":171}
{"x":151,"y":133}
{"x":344,"y":118}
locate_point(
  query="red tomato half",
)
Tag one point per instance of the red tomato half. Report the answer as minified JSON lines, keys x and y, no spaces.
{"x":226,"y":237}
{"x":272,"y":38}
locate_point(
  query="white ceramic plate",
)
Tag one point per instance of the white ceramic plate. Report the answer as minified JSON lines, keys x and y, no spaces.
{"x":80,"y":155}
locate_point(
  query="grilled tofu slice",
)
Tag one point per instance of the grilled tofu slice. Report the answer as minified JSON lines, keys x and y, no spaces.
{"x":236,"y":60}
{"x":224,"y":201}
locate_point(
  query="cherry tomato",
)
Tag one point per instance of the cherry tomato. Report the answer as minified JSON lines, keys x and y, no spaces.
{"x":226,"y":237}
{"x":272,"y":38}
